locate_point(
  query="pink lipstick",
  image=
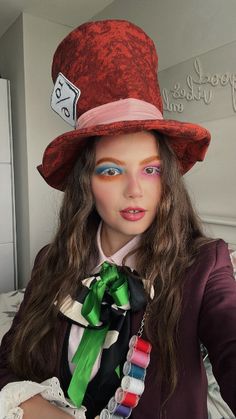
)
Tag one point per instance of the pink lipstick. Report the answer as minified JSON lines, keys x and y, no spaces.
{"x":133,"y":213}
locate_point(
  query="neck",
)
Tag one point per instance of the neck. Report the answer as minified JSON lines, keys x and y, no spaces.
{"x":111,"y":243}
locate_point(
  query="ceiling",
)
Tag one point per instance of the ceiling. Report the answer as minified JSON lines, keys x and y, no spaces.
{"x":67,"y":12}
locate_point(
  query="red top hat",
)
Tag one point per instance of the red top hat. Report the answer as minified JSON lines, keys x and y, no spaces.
{"x":105,"y":76}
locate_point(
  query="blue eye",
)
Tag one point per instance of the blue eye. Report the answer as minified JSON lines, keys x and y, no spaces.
{"x":108,"y":171}
{"x":152,"y":170}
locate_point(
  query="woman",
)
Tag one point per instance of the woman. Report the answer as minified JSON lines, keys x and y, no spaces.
{"x":129,"y":257}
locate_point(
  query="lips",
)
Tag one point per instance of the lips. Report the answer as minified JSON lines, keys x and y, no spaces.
{"x":133,"y":213}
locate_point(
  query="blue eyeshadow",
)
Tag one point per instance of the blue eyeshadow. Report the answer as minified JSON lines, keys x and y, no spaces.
{"x":100,"y":169}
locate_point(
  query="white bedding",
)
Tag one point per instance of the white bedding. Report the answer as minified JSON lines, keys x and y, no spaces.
{"x":9,"y":305}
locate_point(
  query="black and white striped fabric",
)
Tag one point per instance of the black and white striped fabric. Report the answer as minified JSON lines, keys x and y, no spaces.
{"x":115,"y":347}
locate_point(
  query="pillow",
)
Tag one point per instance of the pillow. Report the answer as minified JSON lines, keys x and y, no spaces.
{"x":233,"y":259}
{"x":9,"y":305}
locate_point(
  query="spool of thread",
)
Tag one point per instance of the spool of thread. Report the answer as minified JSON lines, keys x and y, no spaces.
{"x":138,"y":358}
{"x":140,"y":344}
{"x":123,"y":411}
{"x":112,"y":404}
{"x":105,"y":414}
{"x":132,"y":385}
{"x":126,"y":398}
{"x":134,"y":371}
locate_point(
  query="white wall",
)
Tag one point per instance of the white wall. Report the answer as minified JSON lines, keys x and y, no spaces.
{"x":181,"y":29}
{"x":41,"y":38}
{"x":12,"y":68}
{"x":26,"y":51}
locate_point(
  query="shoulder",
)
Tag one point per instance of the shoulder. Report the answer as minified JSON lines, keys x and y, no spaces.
{"x":214,"y":252}
{"x":212,"y":260}
{"x":39,"y":259}
{"x":40,"y":255}
{"x":214,"y":244}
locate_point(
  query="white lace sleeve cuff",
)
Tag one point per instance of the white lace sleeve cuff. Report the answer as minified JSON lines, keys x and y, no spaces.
{"x":13,"y":394}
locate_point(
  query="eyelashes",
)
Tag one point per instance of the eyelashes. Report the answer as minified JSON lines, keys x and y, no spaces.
{"x":152,"y":170}
{"x":113,"y":171}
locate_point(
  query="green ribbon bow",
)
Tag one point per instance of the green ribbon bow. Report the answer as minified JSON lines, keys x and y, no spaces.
{"x":116,"y":284}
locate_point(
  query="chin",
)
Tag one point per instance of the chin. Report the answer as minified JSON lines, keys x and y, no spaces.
{"x":133,"y":229}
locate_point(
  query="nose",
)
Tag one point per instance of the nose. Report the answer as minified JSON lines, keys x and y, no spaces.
{"x":133,"y":188}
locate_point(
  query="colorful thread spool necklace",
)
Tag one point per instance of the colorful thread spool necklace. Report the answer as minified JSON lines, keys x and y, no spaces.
{"x":132,"y":386}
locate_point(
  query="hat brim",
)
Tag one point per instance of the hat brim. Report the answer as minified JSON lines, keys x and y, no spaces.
{"x":189,"y":142}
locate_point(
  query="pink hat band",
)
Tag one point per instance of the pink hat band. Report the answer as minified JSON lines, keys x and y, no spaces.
{"x":121,"y":110}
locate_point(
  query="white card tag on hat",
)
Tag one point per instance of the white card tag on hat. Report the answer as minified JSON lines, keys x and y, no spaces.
{"x":64,"y":99}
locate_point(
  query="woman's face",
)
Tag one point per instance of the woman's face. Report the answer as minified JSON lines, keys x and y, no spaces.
{"x":126,"y":185}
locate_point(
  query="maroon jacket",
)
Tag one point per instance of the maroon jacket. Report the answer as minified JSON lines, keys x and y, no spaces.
{"x":208,"y":315}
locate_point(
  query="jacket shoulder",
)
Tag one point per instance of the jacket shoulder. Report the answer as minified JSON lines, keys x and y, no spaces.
{"x":216,"y":249}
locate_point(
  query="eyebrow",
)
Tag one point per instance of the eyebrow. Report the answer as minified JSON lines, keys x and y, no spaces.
{"x":122,"y":163}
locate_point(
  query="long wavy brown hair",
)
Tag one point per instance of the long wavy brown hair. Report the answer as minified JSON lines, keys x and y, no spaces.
{"x":166,"y":250}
